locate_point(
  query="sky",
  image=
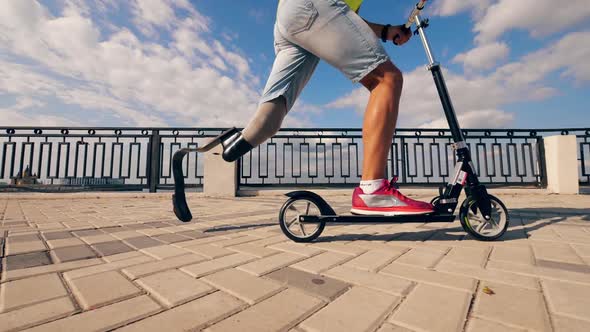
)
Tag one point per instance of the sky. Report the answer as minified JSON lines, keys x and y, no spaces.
{"x":203,"y":63}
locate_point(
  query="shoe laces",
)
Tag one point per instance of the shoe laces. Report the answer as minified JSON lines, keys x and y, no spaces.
{"x":393,"y":183}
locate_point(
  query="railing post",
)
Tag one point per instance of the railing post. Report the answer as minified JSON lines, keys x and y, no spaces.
{"x":154,"y":161}
{"x":561,"y":160}
{"x":221,"y":178}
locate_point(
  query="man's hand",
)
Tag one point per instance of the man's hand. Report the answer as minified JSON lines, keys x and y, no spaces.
{"x":399,"y":34}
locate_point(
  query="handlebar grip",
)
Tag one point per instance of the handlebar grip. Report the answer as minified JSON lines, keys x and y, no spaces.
{"x":416,"y":11}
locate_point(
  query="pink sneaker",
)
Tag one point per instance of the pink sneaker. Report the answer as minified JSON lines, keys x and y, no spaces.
{"x":387,"y":201}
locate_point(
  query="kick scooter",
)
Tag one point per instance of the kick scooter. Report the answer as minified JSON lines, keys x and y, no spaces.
{"x":305,"y":214}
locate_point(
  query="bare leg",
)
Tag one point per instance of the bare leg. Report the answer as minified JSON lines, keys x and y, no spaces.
{"x":385,"y":84}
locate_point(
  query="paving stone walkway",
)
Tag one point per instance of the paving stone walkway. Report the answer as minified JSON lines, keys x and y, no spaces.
{"x":126,"y":264}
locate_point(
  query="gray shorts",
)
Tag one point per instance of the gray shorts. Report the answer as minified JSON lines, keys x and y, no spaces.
{"x":309,"y":30}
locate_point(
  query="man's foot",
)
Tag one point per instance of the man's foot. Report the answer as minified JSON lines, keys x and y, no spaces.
{"x":387,"y":201}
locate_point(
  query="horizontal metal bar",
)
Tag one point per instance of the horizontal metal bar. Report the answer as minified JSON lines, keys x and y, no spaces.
{"x":377,"y":219}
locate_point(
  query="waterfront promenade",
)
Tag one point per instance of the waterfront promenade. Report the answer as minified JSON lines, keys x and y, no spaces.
{"x":101,"y":261}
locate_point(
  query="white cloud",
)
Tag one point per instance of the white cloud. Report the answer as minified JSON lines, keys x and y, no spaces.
{"x":539,"y":17}
{"x":453,"y":7}
{"x":481,"y":97}
{"x":483,"y":57}
{"x":492,"y":119}
{"x":193,"y":80}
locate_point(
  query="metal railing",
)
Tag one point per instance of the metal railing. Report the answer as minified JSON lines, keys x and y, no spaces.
{"x":140,"y":158}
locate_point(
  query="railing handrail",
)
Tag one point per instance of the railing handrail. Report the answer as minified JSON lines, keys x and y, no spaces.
{"x":290,"y":129}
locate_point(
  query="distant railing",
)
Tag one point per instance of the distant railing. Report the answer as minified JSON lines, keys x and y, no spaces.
{"x":57,"y":159}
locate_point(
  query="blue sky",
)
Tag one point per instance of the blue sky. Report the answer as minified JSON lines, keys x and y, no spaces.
{"x":204,"y":63}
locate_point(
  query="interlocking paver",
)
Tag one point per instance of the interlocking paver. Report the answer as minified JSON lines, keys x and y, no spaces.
{"x":568,"y":299}
{"x":340,"y":248}
{"x":433,"y":308}
{"x":294,"y":305}
{"x":36,"y":314}
{"x":519,"y":255}
{"x":429,"y":276}
{"x":514,"y":306}
{"x":489,"y":275}
{"x":173,"y":287}
{"x":98,"y":238}
{"x":542,"y":272}
{"x":23,"y":238}
{"x":15,"y":248}
{"x":137,"y":271}
{"x":218,"y":264}
{"x":68,"y":254}
{"x":380,"y":282}
{"x":142,"y":242}
{"x":481,"y":325}
{"x":116,"y":265}
{"x":105,"y":318}
{"x":359,"y":309}
{"x":190,"y":316}
{"x":468,"y":256}
{"x":164,"y":251}
{"x":271,"y":263}
{"x":210,"y":251}
{"x":38,"y":270}
{"x":374,"y":260}
{"x":99,"y":289}
{"x":244,"y":286}
{"x":251,"y":248}
{"x":67,"y":242}
{"x":561,"y":252}
{"x":296,"y":248}
{"x":387,"y":327}
{"x":111,"y":248}
{"x":88,"y":232}
{"x":126,"y":234}
{"x":321,"y":286}
{"x":322,"y":262}
{"x":568,"y":324}
{"x":422,"y":257}
{"x":171,"y":238}
{"x":24,"y":261}
{"x":28,"y":291}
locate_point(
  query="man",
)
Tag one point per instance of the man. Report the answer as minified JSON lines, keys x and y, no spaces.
{"x":307,"y":31}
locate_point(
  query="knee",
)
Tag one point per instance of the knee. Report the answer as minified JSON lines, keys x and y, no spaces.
{"x":386,"y":74}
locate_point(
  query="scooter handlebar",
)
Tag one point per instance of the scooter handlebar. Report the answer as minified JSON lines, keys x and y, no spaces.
{"x":419,"y":7}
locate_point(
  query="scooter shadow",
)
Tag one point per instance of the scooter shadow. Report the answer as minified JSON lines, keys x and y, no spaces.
{"x":516,"y":231}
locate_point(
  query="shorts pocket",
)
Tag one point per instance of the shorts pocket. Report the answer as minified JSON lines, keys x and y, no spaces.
{"x":295,"y":16}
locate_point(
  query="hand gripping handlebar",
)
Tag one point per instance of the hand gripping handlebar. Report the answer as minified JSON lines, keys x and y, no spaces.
{"x":419,"y":7}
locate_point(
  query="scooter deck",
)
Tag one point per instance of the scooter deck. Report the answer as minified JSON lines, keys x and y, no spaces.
{"x":378,"y":219}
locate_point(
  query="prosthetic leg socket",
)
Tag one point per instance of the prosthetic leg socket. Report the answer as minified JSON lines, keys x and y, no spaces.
{"x":234,"y":147}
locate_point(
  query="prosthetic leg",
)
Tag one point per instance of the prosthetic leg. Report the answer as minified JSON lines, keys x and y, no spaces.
{"x":265,"y":124}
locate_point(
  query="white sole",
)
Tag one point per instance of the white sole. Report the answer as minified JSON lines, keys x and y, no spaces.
{"x":381,"y":213}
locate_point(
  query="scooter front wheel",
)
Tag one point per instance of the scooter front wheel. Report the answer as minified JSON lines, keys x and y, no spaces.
{"x":290,"y":224}
{"x":475,"y":224}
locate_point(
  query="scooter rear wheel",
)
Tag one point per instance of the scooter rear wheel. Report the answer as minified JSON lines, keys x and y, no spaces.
{"x":475,"y":224}
{"x":289,"y":219}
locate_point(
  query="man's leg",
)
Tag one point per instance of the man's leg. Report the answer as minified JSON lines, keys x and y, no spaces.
{"x":385,"y":84}
{"x":264,"y":125}
{"x":266,"y":122}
